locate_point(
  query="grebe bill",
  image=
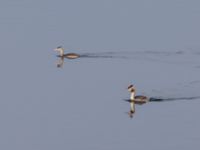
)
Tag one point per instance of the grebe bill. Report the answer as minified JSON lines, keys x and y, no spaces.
{"x":60,"y":49}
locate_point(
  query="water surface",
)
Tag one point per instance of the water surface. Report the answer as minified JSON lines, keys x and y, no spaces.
{"x":81,"y":104}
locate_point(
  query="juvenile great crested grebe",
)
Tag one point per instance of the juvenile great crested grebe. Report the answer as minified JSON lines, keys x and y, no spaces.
{"x":60,"y":49}
{"x":139,"y":99}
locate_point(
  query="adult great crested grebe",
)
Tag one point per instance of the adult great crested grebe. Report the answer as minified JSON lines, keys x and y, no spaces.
{"x":139,"y":99}
{"x":60,"y":49}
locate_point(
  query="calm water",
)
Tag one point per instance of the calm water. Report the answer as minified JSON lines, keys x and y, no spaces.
{"x":81,"y":105}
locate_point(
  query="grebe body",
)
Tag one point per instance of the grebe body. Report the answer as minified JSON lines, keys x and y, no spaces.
{"x":71,"y":55}
{"x":68,"y":55}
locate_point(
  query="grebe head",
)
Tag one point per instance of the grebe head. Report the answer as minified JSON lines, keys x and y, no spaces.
{"x":131,"y":88}
{"x":60,"y":49}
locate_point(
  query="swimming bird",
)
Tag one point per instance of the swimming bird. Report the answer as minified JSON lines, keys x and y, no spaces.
{"x":60,"y":49}
{"x":139,"y":99}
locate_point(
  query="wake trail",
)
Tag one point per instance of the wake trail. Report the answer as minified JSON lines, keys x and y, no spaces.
{"x":152,"y":99}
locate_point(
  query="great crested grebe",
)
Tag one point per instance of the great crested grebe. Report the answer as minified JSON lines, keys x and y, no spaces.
{"x":139,"y":99}
{"x":60,"y":49}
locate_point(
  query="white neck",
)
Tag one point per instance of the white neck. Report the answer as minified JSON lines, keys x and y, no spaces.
{"x":61,"y":51}
{"x":132,"y":97}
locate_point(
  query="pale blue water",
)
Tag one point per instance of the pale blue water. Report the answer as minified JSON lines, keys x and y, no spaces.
{"x":151,"y":44}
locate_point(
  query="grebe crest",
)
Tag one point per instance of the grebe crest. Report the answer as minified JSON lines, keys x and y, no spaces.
{"x":131,"y":88}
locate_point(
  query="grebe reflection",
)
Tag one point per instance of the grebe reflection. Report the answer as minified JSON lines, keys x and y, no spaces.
{"x":132,"y":109}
